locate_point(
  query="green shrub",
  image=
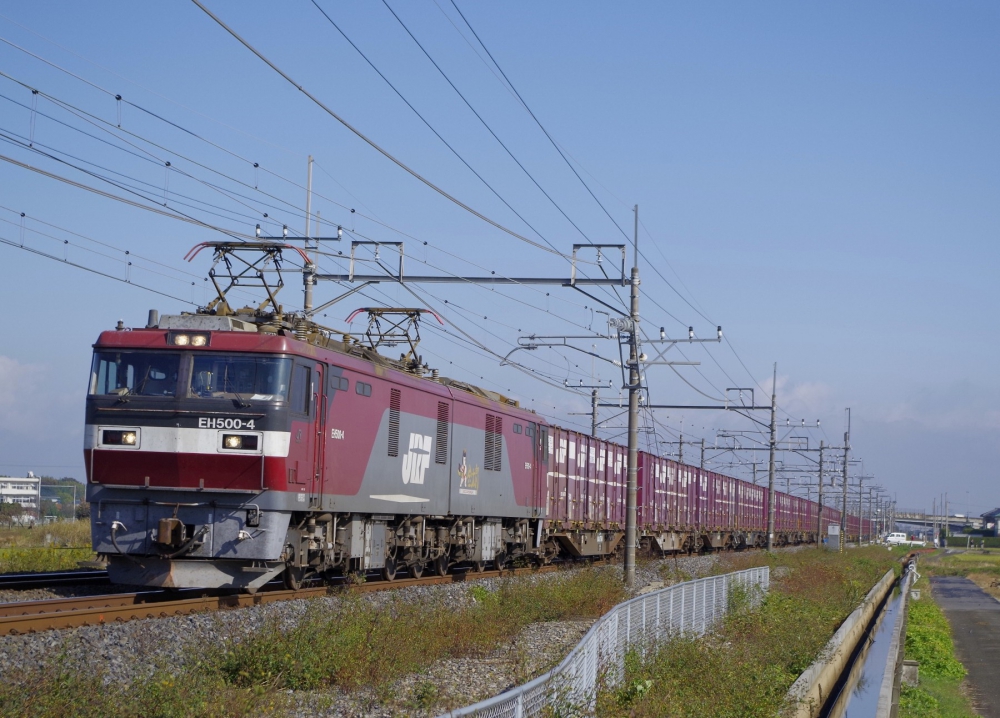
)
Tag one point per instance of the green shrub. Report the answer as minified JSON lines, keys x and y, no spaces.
{"x":917,"y":703}
{"x":928,"y":640}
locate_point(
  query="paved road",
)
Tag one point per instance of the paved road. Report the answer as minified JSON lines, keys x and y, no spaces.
{"x":975,"y":625}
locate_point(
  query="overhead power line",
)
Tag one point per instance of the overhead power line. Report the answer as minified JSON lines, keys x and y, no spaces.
{"x":481,"y":120}
{"x":374,"y":145}
{"x":430,"y":126}
{"x":538,"y":122}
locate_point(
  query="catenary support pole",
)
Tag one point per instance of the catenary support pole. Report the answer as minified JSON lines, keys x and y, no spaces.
{"x":593,"y":413}
{"x":770,"y":463}
{"x":843,"y":510}
{"x":819,"y":519}
{"x":861,"y":515}
{"x":309,"y":271}
{"x":703,"y":453}
{"x":633,"y":418}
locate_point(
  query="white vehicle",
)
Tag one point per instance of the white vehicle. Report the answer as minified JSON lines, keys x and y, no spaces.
{"x":901,"y":539}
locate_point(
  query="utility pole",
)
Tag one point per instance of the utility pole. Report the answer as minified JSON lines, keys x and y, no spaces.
{"x":770,"y":465}
{"x":703,"y":453}
{"x":593,"y":413}
{"x":861,"y":515}
{"x":633,"y":417}
{"x":843,"y":512}
{"x":871,"y":516}
{"x":680,"y":448}
{"x":947,"y":527}
{"x":309,"y":271}
{"x":819,"y":519}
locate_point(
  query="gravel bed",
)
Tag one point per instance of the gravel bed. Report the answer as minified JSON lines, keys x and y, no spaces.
{"x":135,"y":649}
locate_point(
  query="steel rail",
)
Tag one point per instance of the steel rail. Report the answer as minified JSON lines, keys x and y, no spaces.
{"x":55,"y":614}
{"x":44,"y":579}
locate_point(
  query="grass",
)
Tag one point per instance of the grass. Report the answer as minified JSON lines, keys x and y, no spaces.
{"x":928,"y":640}
{"x":355,"y":644}
{"x":27,"y":560}
{"x":46,"y":547}
{"x":60,"y":533}
{"x":981,"y":566}
{"x":722,"y":674}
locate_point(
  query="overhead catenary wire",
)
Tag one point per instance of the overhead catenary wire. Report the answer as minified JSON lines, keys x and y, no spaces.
{"x":385,"y":153}
{"x":431,"y":127}
{"x":108,"y":127}
{"x":481,"y":120}
{"x":535,"y":118}
{"x":53,"y":257}
{"x":661,"y":307}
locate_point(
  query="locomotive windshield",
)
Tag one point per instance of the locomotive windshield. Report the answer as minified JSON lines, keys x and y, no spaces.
{"x":140,"y":373}
{"x":222,"y":376}
{"x":235,"y":377}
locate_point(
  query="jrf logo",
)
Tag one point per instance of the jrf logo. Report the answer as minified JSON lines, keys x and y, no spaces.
{"x":417,"y":459}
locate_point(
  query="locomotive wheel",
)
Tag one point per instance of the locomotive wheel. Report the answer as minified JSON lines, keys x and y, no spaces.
{"x":293,"y":578}
{"x":499,"y":559}
{"x":441,"y":565}
{"x":389,"y":569}
{"x":478,"y":566}
{"x":417,"y":570}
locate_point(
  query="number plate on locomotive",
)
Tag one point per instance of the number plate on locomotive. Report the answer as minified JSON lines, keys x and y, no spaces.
{"x":211,"y":422}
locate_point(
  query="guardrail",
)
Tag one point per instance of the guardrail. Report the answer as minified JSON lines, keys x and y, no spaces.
{"x":688,"y":608}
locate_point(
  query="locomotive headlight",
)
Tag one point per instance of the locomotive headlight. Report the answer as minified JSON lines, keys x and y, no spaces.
{"x":184,"y":339}
{"x":119,"y":437}
{"x":241,"y":442}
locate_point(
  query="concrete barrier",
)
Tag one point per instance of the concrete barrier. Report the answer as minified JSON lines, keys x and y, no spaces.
{"x":810,"y":692}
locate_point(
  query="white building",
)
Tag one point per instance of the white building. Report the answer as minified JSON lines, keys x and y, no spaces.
{"x":18,"y":490}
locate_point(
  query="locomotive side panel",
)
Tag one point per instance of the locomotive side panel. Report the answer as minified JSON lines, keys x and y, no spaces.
{"x":492,"y":470}
{"x":351,"y":428}
{"x":400,"y":474}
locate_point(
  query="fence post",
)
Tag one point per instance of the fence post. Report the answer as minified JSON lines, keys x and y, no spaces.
{"x":683,"y":591}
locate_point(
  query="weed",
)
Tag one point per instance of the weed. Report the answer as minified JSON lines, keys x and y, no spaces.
{"x":424,"y":695}
{"x":928,"y":641}
{"x":915,"y":702}
{"x":24,"y":560}
{"x":721,"y":674}
{"x":348,"y":645}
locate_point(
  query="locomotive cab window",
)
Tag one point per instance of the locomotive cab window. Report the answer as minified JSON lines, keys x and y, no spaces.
{"x":250,"y":378}
{"x":517,"y":428}
{"x":135,"y":373}
{"x":363,"y":389}
{"x":301,"y":397}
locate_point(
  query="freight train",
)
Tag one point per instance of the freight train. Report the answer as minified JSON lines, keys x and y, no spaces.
{"x":226,"y":448}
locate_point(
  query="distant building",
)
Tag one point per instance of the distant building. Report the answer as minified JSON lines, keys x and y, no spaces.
{"x":20,"y":490}
{"x":991,"y":522}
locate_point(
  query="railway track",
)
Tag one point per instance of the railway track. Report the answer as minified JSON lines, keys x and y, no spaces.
{"x":61,"y":613}
{"x":48,"y":579}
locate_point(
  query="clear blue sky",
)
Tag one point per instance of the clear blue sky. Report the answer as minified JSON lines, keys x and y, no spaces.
{"x":822,"y":179}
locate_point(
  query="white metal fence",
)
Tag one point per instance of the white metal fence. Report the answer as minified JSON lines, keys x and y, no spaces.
{"x":570,"y":688}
